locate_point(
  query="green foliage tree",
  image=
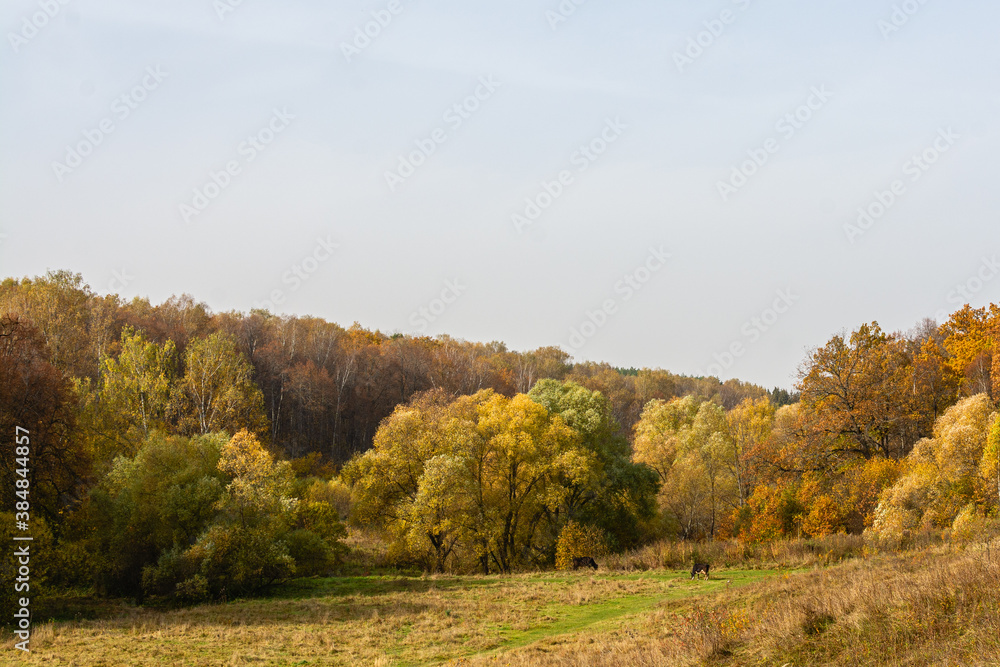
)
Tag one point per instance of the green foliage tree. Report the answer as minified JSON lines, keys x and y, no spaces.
{"x":205,"y":516}
{"x":43,"y":560}
{"x":131,"y":399}
{"x":163,"y":498}
{"x":478,"y":479}
{"x":613,"y":492}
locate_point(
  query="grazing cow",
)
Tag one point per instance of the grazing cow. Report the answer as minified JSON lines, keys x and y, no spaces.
{"x":584,"y":561}
{"x":698,"y":569}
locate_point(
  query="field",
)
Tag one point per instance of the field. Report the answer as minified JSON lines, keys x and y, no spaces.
{"x":933,"y":605}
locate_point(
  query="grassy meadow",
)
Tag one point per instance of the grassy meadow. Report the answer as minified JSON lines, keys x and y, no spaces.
{"x":791,"y":603}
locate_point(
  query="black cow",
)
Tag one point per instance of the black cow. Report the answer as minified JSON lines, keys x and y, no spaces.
{"x":698,"y":569}
{"x":584,"y":561}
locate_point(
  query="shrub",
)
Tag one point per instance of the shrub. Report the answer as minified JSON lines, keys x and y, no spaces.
{"x":237,"y":561}
{"x":193,"y":590}
{"x":311,"y":553}
{"x":970,"y":527}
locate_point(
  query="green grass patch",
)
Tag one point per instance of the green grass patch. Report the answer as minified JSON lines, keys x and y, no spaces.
{"x":568,"y":619}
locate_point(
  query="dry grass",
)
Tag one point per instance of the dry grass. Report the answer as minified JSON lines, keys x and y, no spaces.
{"x":796,"y":553}
{"x":362,"y":621}
{"x":936,"y":605}
{"x":367,"y":548}
{"x":932,"y":607}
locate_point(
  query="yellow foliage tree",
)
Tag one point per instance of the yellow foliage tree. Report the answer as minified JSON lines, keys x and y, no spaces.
{"x":941,"y":474}
{"x":689,"y":446}
{"x":750,"y":424}
{"x":478,"y":475}
{"x":989,"y":466}
{"x":659,"y":432}
{"x":970,"y":337}
{"x":824,"y":518}
{"x":576,"y":541}
{"x":217,"y":392}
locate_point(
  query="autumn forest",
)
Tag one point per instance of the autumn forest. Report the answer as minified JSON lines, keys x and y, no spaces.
{"x":182,"y":455}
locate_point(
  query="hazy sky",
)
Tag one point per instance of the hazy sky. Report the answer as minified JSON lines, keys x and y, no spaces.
{"x":247,"y":139}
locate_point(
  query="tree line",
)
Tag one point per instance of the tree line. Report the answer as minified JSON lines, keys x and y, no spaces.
{"x":187,"y":454}
{"x":322,"y":388}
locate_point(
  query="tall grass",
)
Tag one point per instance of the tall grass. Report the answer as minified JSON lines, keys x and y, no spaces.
{"x":736,"y":554}
{"x":937,"y":604}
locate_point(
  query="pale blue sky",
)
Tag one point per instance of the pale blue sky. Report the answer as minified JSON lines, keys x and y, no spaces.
{"x":679,"y":133}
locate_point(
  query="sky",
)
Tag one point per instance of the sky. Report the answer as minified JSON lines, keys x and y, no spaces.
{"x":706,"y":187}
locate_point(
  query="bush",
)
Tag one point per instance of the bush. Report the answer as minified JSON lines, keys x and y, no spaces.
{"x":317,"y":543}
{"x":72,"y":565}
{"x":221,"y":522}
{"x":320,"y":518}
{"x":311,"y":553}
{"x":161,"y":499}
{"x":193,"y":590}
{"x":237,"y":562}
{"x":162,"y":579}
{"x":334,"y":492}
{"x":971,"y":527}
{"x":738,"y":554}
